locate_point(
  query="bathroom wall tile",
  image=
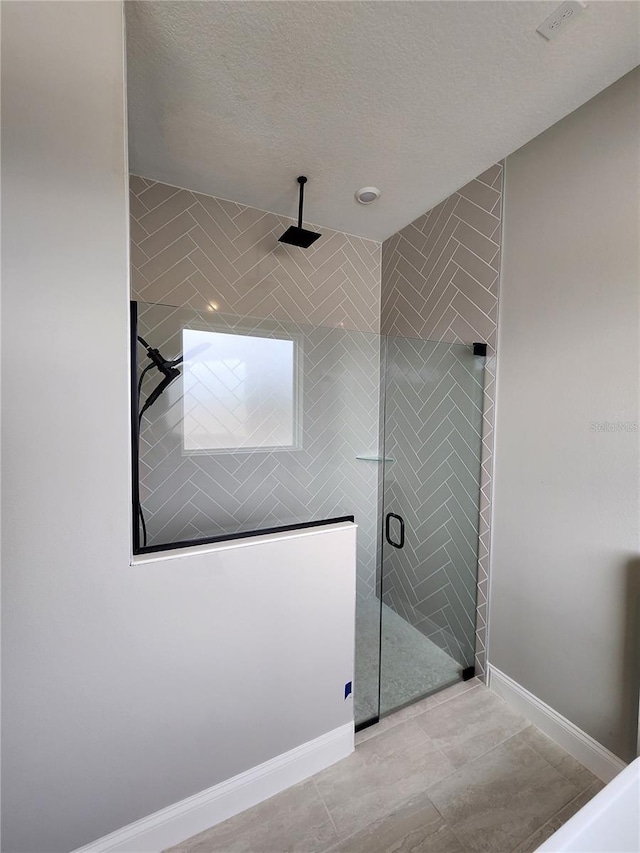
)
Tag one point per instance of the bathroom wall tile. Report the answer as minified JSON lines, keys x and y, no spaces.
{"x":478,"y":324}
{"x":165,"y":212}
{"x":245,"y":217}
{"x":440,"y":234}
{"x":137,"y":256}
{"x":336,"y":282}
{"x":136,"y":210}
{"x":475,"y":266}
{"x":238,"y":264}
{"x":154,"y":194}
{"x":477,"y":217}
{"x":491,"y":176}
{"x":192,"y":251}
{"x":137,"y":185}
{"x":481,"y":194}
{"x":440,"y":279}
{"x":409,"y":254}
{"x":166,"y":235}
{"x":137,"y":232}
{"x":480,"y":296}
{"x":167,"y":258}
{"x":434,"y":484}
{"x":213,"y":494}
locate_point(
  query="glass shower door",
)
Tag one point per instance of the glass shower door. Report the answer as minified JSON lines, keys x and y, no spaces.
{"x":431,"y":489}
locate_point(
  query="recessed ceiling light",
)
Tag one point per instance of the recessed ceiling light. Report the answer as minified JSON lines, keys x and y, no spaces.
{"x":367,"y":195}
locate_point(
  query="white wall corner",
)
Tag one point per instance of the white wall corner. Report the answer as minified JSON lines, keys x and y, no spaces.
{"x":194,"y":814}
{"x":585,"y":749}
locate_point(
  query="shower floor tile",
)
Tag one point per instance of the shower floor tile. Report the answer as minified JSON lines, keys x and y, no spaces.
{"x":412,"y":666}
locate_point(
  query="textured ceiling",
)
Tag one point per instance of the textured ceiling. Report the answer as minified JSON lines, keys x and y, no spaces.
{"x":236,"y":99}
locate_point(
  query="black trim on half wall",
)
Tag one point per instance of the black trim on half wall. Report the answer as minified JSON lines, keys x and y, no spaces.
{"x":244,"y":534}
{"x":135,"y":462}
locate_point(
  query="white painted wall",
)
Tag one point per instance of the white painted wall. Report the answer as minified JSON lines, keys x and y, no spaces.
{"x":565,"y":568}
{"x":125,"y":688}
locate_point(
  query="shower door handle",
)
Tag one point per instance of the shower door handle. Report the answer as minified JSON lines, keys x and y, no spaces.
{"x":387,"y":530}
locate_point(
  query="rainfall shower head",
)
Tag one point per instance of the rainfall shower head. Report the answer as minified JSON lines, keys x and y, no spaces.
{"x":296,"y":235}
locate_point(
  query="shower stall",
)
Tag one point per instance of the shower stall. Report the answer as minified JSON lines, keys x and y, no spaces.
{"x":432,"y":437}
{"x":263,"y":425}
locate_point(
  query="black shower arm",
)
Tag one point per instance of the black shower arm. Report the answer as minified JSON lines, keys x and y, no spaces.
{"x":302,"y":181}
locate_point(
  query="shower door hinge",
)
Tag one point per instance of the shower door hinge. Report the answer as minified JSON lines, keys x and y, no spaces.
{"x":468,"y":673}
{"x":480,"y":349}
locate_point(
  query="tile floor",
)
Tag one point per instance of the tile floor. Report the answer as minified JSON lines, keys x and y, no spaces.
{"x":459,"y":772}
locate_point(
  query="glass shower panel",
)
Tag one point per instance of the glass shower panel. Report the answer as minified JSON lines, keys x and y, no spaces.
{"x":433,"y":436}
{"x":267,"y":424}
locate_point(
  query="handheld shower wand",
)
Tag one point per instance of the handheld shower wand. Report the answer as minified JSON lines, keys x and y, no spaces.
{"x":169,"y":371}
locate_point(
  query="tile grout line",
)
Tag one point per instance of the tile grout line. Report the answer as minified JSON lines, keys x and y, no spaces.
{"x":530,"y":748}
{"x":477,"y":757}
{"x":552,"y":818}
{"x":156,"y":206}
{"x":151,"y":233}
{"x":326,"y":808}
{"x":483,"y":755}
{"x":168,"y":245}
{"x":448,"y":825}
{"x":537,"y":752}
{"x":418,"y":713}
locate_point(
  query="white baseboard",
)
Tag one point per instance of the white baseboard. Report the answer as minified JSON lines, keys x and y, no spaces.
{"x":194,"y":814}
{"x":595,"y":757}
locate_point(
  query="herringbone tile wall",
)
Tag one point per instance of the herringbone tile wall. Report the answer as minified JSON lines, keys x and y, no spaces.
{"x":193,"y":250}
{"x":440,"y":279}
{"x":440,"y":273}
{"x":197,"y":495}
{"x":437,"y":279}
{"x":190,"y":250}
{"x":433,"y":438}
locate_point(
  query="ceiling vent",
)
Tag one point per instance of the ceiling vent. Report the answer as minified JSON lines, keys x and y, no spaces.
{"x":559,"y":19}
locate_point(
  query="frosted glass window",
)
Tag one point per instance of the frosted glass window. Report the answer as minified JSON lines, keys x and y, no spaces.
{"x":238,"y":391}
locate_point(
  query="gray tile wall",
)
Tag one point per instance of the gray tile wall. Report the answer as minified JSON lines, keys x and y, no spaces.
{"x":433,"y":438}
{"x":440,"y":281}
{"x":193,"y":250}
{"x":189,"y":496}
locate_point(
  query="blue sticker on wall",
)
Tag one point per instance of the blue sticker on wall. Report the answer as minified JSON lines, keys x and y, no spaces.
{"x":347,"y":690}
